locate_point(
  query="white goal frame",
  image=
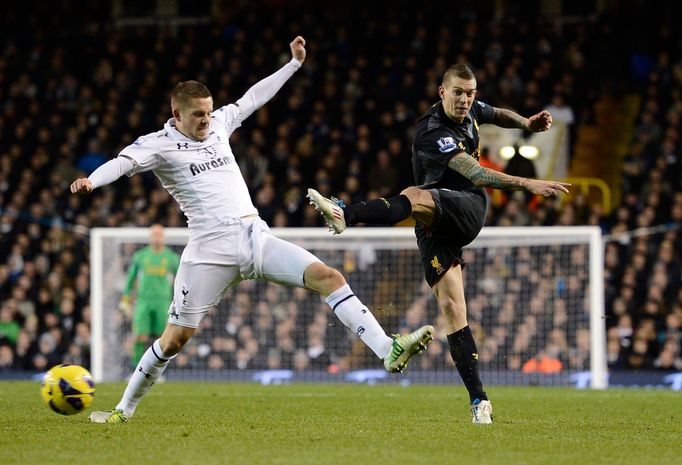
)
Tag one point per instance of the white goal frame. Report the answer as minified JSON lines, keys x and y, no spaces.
{"x":522,"y":235}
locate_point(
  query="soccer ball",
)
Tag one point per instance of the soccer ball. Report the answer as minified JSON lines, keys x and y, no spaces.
{"x":68,"y":389}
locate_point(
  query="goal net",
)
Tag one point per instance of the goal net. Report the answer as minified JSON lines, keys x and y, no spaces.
{"x":534,"y":301}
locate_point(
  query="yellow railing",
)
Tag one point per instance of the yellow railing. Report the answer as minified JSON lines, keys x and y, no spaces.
{"x":588,"y":186}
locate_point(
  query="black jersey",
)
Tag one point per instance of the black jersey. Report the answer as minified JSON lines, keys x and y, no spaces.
{"x":437,"y":138}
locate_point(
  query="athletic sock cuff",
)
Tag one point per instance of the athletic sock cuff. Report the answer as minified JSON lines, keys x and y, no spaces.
{"x":158,"y":352}
{"x":341,"y":294}
{"x":455,"y":338}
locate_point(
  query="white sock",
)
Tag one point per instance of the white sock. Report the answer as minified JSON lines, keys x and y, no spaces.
{"x":152,"y":365}
{"x":357,"y":317}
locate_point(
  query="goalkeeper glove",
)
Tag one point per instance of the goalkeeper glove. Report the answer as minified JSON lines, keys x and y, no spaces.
{"x":124,"y":305}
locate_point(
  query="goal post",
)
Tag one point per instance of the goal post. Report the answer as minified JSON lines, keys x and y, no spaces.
{"x":535,"y":301}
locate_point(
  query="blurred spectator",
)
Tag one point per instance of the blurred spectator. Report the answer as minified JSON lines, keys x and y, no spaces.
{"x":9,"y":327}
{"x":91,"y":160}
{"x":545,"y":361}
{"x":7,"y":362}
{"x":563,"y":113}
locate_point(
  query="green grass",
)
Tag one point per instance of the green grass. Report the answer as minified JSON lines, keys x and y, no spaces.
{"x":213,"y":423}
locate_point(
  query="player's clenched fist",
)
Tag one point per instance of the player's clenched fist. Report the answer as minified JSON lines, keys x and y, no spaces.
{"x":297,"y":47}
{"x":540,"y":122}
{"x":81,"y":186}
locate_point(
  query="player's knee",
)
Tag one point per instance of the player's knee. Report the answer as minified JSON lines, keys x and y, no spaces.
{"x":452,"y":308}
{"x":421,"y":200}
{"x":413,"y":194}
{"x":332,"y":277}
{"x":323,"y":278}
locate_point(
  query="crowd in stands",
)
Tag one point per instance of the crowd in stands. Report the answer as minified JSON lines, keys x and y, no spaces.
{"x":261,"y":325}
{"x":643,"y":287}
{"x":75,"y":90}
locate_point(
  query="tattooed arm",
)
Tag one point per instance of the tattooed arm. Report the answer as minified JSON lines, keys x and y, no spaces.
{"x":508,"y":119}
{"x":481,"y":176}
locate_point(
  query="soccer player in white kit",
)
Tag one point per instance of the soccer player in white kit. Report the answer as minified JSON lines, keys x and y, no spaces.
{"x":228,"y":242}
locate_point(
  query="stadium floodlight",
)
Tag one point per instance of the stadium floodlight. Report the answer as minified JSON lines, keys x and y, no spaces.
{"x":530,"y":152}
{"x":507,"y":152}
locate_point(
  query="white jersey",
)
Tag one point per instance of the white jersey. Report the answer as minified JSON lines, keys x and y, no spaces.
{"x":203,"y":177}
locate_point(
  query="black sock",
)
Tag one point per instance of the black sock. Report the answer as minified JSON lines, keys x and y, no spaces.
{"x":379,"y":211}
{"x":464,"y":353}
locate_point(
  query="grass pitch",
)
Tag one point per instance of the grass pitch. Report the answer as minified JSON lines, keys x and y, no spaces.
{"x":211,"y":423}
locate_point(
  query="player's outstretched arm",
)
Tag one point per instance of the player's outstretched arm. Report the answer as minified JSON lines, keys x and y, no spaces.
{"x":105,"y":174}
{"x":262,"y":91}
{"x":481,"y":176}
{"x":508,"y":119}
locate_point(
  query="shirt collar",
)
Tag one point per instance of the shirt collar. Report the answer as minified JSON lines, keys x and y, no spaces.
{"x":174,"y":133}
{"x":450,"y":123}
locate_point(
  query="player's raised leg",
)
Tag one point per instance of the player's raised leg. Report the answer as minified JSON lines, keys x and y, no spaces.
{"x":287,"y":263}
{"x":396,"y":351}
{"x":412,"y":201}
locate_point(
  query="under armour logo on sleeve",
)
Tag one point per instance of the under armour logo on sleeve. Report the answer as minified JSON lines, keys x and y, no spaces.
{"x":183,"y":146}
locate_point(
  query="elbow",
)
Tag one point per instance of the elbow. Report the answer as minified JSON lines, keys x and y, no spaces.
{"x":478,"y":181}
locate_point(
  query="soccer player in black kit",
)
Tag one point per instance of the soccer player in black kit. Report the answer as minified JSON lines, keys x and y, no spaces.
{"x":449,"y":205}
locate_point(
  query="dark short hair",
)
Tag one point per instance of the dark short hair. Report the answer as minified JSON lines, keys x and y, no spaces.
{"x":458,"y":70}
{"x":184,"y":92}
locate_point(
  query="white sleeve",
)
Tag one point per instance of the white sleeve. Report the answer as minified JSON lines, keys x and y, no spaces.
{"x":143,"y":153}
{"x":229,"y":116}
{"x":258,"y":95}
{"x":111,"y":171}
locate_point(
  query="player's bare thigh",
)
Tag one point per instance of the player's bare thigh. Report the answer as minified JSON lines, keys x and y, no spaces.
{"x":423,"y":205}
{"x":289,"y":264}
{"x":449,"y":291}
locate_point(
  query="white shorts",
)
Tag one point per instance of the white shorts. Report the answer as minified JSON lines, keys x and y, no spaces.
{"x":210,"y":265}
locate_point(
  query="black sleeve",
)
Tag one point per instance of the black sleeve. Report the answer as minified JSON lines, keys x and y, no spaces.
{"x":432,"y":151}
{"x":440,"y":144}
{"x":483,"y":112}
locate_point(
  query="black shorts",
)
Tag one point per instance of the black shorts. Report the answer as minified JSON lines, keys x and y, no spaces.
{"x":458,"y":219}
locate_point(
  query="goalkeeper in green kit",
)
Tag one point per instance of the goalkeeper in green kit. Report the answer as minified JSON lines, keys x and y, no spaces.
{"x":153,"y":268}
